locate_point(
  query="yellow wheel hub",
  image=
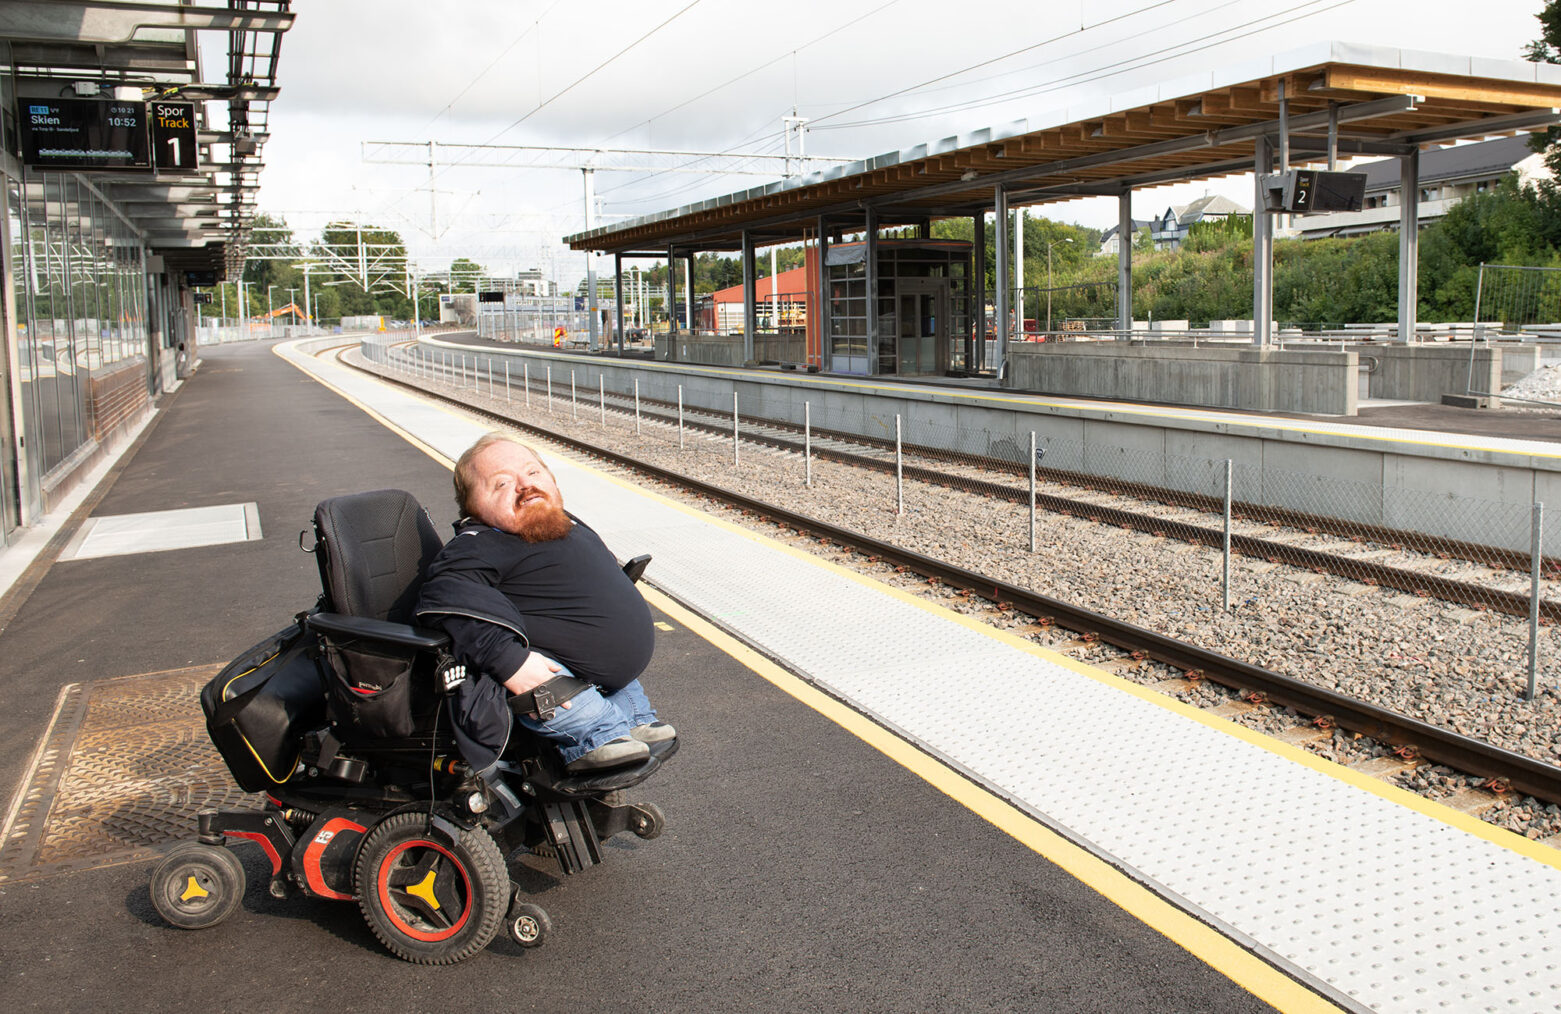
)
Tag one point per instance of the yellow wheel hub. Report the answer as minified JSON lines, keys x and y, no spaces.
{"x":192,"y":890}
{"x":425,"y":891}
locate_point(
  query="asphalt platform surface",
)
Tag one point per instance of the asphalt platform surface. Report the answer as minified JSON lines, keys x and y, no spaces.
{"x":800,"y":869}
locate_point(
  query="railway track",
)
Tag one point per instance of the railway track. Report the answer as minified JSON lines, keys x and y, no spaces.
{"x":1084,"y":633}
{"x":1470,"y":574}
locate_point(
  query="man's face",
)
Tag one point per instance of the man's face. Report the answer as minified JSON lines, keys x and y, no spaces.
{"x":515,"y":493}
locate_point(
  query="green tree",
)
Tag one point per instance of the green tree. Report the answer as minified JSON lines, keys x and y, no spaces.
{"x":465,"y":274}
{"x":1547,"y":49}
{"x":366,"y":270}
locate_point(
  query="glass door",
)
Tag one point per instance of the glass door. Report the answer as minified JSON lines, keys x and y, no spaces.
{"x":922,"y":337}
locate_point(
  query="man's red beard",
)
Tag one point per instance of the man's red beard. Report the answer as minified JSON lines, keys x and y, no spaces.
{"x":543,"y":521}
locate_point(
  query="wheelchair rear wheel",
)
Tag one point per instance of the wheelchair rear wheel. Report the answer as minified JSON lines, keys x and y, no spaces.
{"x":196,"y":886}
{"x":430,"y":901}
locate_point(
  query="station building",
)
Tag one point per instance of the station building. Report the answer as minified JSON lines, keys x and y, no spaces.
{"x":129,"y":184}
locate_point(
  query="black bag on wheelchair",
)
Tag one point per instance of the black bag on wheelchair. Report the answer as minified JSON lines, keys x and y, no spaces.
{"x":260,"y":705}
{"x":370,"y":689}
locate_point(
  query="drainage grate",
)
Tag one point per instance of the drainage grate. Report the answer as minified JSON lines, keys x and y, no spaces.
{"x":123,"y":769}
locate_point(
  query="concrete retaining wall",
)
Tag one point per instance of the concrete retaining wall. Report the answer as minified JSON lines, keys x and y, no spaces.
{"x":1426,"y":372}
{"x":1260,"y":380}
{"x":727,"y":350}
{"x":1475,"y":491}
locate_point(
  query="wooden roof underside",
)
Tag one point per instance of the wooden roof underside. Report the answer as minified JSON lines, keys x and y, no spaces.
{"x":1382,"y":111}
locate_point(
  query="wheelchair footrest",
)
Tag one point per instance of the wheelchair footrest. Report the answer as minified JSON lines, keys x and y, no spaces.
{"x":572,"y":835}
{"x":591,"y":785}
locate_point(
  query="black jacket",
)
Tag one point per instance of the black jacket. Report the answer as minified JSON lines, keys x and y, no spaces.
{"x":499,"y":596}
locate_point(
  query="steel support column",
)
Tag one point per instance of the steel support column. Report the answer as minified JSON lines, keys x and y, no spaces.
{"x":617,"y":289}
{"x":1125,"y":239}
{"x":1262,"y":248}
{"x":873,"y":367}
{"x":826,"y":341}
{"x":672,"y":292}
{"x":590,"y":260}
{"x":976,"y":356}
{"x":1000,"y":282}
{"x":1333,"y":136}
{"x":750,"y":300}
{"x":688,"y":291}
{"x":1408,"y":244}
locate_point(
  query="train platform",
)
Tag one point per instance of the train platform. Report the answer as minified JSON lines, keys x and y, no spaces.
{"x":1371,"y":897}
{"x":1411,"y":423}
{"x":881,"y":804}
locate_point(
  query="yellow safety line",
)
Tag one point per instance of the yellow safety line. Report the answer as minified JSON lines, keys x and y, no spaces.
{"x":1200,"y":940}
{"x":1376,"y":786}
{"x":282,"y":351}
{"x":1446,"y":814}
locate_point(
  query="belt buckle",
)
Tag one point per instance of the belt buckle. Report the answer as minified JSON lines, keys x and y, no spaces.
{"x":544,"y":702}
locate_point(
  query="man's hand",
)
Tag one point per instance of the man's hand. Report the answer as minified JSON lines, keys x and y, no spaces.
{"x":535,"y":671}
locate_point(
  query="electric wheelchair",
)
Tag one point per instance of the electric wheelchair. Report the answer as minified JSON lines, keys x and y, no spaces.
{"x":342,"y":722}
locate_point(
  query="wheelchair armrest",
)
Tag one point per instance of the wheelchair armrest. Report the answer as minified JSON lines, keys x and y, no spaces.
{"x":635,"y":567}
{"x":400,"y":634}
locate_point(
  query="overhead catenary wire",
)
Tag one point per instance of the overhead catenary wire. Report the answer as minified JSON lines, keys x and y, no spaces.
{"x":1165,"y":53}
{"x":544,"y":103}
{"x":754,"y":70}
{"x":534,"y":26}
{"x":1182,"y":48}
{"x":998,"y":59}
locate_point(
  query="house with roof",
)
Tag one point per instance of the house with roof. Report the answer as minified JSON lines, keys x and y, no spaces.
{"x":1169,"y":229}
{"x":1447,"y":176}
{"x":1108,"y":241}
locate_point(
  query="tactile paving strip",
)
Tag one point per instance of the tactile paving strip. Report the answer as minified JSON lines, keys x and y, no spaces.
{"x":124,"y":767}
{"x":1382,"y":907}
{"x":1379,"y":907}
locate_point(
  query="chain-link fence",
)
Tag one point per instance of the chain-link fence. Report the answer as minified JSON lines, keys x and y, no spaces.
{"x":1337,"y":573}
{"x":535,"y":320}
{"x":1509,"y":298}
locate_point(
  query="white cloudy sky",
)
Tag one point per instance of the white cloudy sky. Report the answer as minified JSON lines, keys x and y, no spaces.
{"x":719,"y":74}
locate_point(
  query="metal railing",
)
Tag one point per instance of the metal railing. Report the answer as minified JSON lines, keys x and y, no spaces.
{"x":1356,"y":571}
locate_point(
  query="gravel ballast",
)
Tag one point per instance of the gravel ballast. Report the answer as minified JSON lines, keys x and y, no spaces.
{"x":1461,"y":669}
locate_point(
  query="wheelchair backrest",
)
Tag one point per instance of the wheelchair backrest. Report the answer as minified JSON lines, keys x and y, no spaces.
{"x":374,"y":550}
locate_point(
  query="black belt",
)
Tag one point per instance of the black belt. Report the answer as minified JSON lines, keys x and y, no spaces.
{"x":542,"y":701}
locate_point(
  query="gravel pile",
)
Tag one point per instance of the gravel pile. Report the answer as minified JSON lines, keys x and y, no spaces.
{"x":1544,"y":384}
{"x":1457,"y":668}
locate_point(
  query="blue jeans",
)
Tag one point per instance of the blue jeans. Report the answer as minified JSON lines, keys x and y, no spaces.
{"x":593,"y":718}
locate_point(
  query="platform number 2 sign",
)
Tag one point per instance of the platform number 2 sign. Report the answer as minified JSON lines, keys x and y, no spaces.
{"x":173,"y":135}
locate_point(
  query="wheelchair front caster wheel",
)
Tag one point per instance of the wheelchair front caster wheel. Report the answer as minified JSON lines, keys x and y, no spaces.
{"x":528,"y":924}
{"x":647,"y":821}
{"x":196,"y":886}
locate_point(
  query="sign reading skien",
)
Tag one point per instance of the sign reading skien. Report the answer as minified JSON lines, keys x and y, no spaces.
{"x":84,"y":134}
{"x":173,"y":134}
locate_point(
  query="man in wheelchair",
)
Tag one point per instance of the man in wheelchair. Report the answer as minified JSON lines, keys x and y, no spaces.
{"x":347,"y":720}
{"x":550,"y":631}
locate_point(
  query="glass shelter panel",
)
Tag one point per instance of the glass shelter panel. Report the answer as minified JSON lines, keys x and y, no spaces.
{"x":79,"y":289}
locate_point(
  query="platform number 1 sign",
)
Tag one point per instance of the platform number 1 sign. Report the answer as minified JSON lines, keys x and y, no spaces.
{"x":173,"y":135}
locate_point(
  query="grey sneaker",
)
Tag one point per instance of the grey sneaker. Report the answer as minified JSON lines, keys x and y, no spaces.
{"x":613,"y":754}
{"x":654,"y":732}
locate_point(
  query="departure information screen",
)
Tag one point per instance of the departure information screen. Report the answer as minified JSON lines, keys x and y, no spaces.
{"x":84,"y":134}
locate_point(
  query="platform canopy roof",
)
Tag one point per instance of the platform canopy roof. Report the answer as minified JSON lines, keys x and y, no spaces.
{"x":1384,"y":102}
{"x":198,"y":220}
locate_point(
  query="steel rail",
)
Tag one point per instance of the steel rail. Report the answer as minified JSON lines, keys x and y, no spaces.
{"x":1485,"y":555}
{"x":1442,"y":746}
{"x":1413,"y":581}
